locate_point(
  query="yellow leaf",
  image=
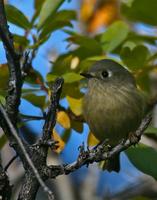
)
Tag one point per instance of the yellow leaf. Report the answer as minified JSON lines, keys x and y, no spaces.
{"x":63,"y":119}
{"x":60,"y":144}
{"x":75,"y":105}
{"x":92,"y":140}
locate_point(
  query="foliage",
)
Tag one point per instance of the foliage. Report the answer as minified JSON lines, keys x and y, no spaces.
{"x":121,"y":40}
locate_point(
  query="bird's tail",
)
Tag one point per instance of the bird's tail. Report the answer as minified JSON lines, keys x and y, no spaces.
{"x":113,"y":164}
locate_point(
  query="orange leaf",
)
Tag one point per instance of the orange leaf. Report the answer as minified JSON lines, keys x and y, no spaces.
{"x":87,"y":9}
{"x":104,"y":15}
{"x":63,"y":119}
{"x":60,"y":144}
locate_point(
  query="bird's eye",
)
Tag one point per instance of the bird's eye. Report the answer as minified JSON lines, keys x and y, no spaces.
{"x":105,"y":74}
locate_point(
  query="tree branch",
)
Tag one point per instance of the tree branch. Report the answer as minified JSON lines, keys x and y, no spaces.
{"x":5,"y":188}
{"x":19,"y":142}
{"x":97,"y":154}
{"x":39,"y":150}
{"x":15,"y":78}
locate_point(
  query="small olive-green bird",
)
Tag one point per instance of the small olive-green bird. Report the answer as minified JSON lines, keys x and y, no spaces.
{"x":113,"y":107}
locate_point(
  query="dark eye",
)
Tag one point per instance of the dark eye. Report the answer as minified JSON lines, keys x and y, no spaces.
{"x":105,"y":74}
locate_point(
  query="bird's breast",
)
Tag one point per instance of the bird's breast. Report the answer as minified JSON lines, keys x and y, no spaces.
{"x":113,"y":112}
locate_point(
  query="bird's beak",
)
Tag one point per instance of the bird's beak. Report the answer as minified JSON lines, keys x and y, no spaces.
{"x":86,"y":74}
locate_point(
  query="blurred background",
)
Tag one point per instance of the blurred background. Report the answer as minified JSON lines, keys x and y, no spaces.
{"x":65,"y":38}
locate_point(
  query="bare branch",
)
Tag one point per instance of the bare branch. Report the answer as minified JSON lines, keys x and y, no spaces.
{"x":15,"y":134}
{"x":5,"y":188}
{"x":15,"y":78}
{"x":50,"y":120}
{"x":98,"y":154}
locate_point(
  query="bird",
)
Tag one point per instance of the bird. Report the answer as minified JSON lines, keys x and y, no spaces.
{"x":113,"y":105}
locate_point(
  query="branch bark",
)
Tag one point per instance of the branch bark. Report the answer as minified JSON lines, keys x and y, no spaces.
{"x":98,"y":154}
{"x":5,"y":188}
{"x":15,"y":78}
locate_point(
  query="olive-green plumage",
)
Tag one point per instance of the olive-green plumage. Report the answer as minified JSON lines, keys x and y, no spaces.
{"x":113,"y":106}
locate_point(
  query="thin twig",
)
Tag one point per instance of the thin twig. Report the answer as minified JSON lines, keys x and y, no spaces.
{"x":31,"y":117}
{"x":15,"y":134}
{"x":10,"y":162}
{"x":50,"y":120}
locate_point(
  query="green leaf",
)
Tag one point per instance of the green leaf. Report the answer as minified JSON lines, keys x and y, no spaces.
{"x":51,"y":77}
{"x":66,"y":135}
{"x":141,"y":38}
{"x":60,"y":20}
{"x":39,"y":42}
{"x":114,"y":36}
{"x":68,"y":77}
{"x":48,"y":9}
{"x":143,"y":80}
{"x":90,"y":44}
{"x":144,"y":158}
{"x":2,"y":99}
{"x":38,"y":4}
{"x":151,"y":130}
{"x":3,"y":140}
{"x":141,"y":11}
{"x":21,"y":40}
{"x":72,"y":77}
{"x":38,"y":101}
{"x":72,"y":90}
{"x":16,"y":17}
{"x":135,"y":58}
{"x":34,"y":77}
{"x":4,"y":74}
{"x":77,"y":126}
{"x":62,"y":64}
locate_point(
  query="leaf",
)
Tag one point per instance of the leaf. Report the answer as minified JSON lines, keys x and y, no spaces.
{"x":60,"y":20}
{"x":48,"y":9}
{"x":4,"y":73}
{"x":63,"y":119}
{"x":3,"y":140}
{"x":151,"y":130}
{"x":114,"y":36}
{"x":71,"y":77}
{"x":135,"y":58}
{"x":143,"y":81}
{"x":88,"y":43}
{"x":17,"y":17}
{"x":66,"y":135}
{"x":21,"y":40}
{"x":75,"y":105}
{"x":141,"y":11}
{"x":2,"y":99}
{"x":77,"y":126}
{"x":38,"y":101}
{"x":87,"y":63}
{"x":54,"y":26}
{"x":38,"y":4}
{"x":144,"y":158}
{"x":60,"y":143}
{"x":92,"y":140}
{"x":68,"y":77}
{"x":51,"y":77}
{"x":62,"y":64}
{"x":72,"y":90}
{"x":34,"y":77}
